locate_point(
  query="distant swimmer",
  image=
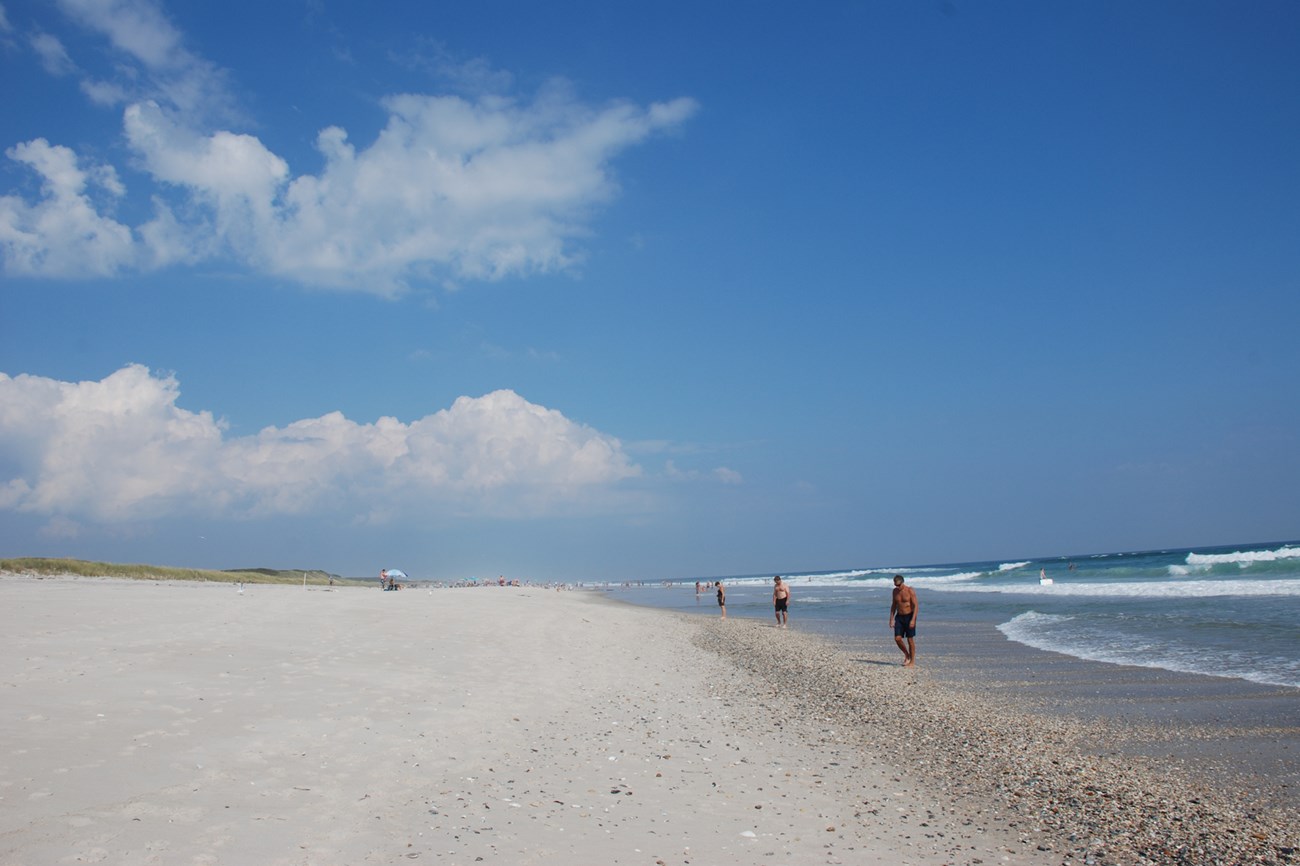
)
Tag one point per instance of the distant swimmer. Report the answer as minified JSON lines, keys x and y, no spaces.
{"x":903,"y":613}
{"x":781,"y":602}
{"x":722,"y":599}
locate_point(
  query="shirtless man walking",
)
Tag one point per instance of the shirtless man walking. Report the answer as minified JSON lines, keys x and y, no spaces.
{"x":902,"y":619}
{"x":781,"y":601}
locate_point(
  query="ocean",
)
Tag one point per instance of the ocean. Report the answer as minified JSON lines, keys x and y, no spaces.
{"x":1231,"y":611}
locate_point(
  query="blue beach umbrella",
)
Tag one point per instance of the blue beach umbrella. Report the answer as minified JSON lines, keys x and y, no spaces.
{"x":396,"y":572}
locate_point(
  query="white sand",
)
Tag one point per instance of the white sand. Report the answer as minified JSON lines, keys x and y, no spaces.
{"x":187,"y":723}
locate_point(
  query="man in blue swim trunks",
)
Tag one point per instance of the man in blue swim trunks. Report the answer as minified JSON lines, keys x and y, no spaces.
{"x":902,"y":619}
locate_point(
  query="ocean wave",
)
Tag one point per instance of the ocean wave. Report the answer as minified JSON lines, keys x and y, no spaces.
{"x":1141,"y":589}
{"x":1244,"y":558}
{"x":949,"y":578}
{"x":1075,"y":637}
{"x":831,"y":576}
{"x":862,"y":579}
{"x":1011,"y":566}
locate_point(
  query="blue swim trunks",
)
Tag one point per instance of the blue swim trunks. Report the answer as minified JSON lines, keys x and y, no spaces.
{"x":903,"y":625}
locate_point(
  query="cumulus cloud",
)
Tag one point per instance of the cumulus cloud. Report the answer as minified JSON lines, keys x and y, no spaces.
{"x":64,"y":234}
{"x":121,"y":449}
{"x":472,"y":186}
{"x":465,"y":190}
{"x":451,"y":190}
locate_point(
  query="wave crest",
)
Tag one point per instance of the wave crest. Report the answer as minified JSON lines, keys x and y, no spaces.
{"x":1243,"y":558}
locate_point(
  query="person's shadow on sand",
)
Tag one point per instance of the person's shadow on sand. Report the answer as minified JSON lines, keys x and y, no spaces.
{"x":876,"y":662}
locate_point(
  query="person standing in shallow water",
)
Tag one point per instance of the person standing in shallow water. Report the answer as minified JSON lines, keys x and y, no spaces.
{"x":902,"y":619}
{"x":722,"y":599}
{"x":781,"y":601}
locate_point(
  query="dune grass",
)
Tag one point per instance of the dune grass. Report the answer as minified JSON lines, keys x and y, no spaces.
{"x":42,"y":566}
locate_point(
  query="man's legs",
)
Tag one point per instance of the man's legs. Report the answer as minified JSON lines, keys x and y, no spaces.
{"x":907,"y":657}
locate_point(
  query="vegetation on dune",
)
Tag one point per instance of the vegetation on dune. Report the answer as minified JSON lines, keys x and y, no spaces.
{"x":42,"y":566}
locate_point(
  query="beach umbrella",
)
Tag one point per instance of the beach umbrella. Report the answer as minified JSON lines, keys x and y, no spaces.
{"x":396,"y":572}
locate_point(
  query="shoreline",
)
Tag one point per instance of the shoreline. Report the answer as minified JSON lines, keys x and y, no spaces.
{"x":1075,"y":783}
{"x":157,"y":723}
{"x":1223,"y":730}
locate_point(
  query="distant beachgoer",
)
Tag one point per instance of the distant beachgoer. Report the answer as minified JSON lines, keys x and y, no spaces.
{"x":903,"y":612}
{"x":383,"y":579}
{"x":722,"y":599}
{"x":781,"y":601}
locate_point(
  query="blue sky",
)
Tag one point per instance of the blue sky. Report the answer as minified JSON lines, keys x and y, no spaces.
{"x":594,"y":290}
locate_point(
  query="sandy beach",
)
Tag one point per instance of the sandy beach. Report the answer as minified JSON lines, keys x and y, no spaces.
{"x":175,"y":723}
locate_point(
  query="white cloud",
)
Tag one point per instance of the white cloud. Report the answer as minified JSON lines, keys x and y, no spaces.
{"x":453,"y":189}
{"x":64,"y":234}
{"x":121,"y":449}
{"x":137,"y":27}
{"x":106,"y":94}
{"x":233,"y":178}
{"x":158,"y":65}
{"x":54,"y":57}
{"x":728,"y":476}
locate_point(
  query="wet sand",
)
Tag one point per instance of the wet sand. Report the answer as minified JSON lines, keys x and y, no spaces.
{"x":1095,"y":763}
{"x":1227,"y":731}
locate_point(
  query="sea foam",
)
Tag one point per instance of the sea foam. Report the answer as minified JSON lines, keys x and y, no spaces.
{"x":1243,"y":558}
{"x":1072,"y":636}
{"x":1139,"y":589}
